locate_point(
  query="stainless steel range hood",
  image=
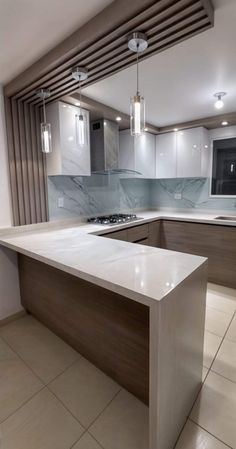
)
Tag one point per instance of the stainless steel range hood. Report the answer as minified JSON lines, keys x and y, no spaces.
{"x":104,"y":135}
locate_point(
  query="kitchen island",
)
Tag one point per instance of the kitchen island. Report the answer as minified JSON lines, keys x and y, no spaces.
{"x":136,"y":312}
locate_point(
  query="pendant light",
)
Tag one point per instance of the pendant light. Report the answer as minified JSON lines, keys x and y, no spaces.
{"x":219,"y":102}
{"x":46,"y":136}
{"x":137,"y":42}
{"x":80,"y":74}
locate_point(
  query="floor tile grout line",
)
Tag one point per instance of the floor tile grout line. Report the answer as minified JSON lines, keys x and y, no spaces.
{"x":209,"y":433}
{"x":72,"y":414}
{"x":222,"y":341}
{"x":98,"y":442}
{"x":213,"y":333}
{"x":73,"y":445}
{"x":22,"y":405}
{"x":209,"y":369}
{"x":25,"y":363}
{"x":102,"y":411}
{"x":220,"y":311}
{"x":224,"y":377}
{"x":65,"y":406}
{"x":32,"y":370}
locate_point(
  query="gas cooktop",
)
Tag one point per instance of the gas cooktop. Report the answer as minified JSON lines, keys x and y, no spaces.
{"x":113,"y":219}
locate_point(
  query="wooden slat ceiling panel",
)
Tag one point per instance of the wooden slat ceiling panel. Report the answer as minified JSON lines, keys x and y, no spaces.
{"x":165,"y":23}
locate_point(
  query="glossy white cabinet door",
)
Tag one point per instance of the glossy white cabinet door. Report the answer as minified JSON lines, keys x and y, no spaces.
{"x":205,"y":156}
{"x":166,"y":163}
{"x":137,"y":153}
{"x":189,"y":153}
{"x":145,"y":155}
{"x":67,"y":157}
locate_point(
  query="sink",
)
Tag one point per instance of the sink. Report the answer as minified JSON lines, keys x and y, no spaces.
{"x":224,"y":217}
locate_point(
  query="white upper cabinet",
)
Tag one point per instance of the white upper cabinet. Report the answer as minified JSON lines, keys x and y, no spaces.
{"x":137,"y":153}
{"x":183,"y":154}
{"x":166,"y":156}
{"x":67,"y":157}
{"x":192,"y":153}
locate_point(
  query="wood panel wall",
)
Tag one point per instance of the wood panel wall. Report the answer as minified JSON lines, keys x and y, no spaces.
{"x":101,"y":46}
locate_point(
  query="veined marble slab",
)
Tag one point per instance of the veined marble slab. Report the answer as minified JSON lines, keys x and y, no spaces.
{"x":141,"y":273}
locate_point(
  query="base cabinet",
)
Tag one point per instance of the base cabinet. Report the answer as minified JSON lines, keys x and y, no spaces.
{"x":146,"y":234}
{"x":216,"y":242}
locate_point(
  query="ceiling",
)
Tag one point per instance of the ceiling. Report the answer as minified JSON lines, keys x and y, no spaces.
{"x":30,"y":28}
{"x":179,"y":83}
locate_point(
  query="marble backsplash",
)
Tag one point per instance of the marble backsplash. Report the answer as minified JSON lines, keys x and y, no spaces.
{"x":194,"y":194}
{"x":101,"y":194}
{"x":95,"y":195}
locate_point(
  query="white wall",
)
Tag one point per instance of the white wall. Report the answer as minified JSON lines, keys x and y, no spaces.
{"x":9,"y":281}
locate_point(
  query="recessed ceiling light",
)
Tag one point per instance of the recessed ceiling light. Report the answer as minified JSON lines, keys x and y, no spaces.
{"x":205,"y":146}
{"x":64,"y":106}
{"x":118,"y":119}
{"x":77,"y":103}
{"x":224,"y":123}
{"x":146,"y":129}
{"x":219,"y":102}
{"x":104,"y":123}
{"x":176,"y":129}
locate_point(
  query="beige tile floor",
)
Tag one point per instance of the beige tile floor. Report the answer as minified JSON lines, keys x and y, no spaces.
{"x":52,"y":398}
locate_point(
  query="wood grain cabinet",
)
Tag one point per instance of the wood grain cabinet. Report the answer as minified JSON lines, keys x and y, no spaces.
{"x":144,"y":234}
{"x":67,"y":157}
{"x":216,"y":242}
{"x":155,"y":233}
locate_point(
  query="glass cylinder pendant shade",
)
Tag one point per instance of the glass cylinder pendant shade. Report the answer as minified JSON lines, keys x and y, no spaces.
{"x":137,"y":115}
{"x":46,"y":138}
{"x":81,"y":129}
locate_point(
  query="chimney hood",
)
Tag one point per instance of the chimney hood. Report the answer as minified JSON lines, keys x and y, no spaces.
{"x":104,"y":136}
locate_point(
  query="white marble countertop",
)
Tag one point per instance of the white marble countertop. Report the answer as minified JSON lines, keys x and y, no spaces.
{"x":142,"y":273}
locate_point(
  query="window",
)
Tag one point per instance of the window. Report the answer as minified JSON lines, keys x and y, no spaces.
{"x":223,"y":182}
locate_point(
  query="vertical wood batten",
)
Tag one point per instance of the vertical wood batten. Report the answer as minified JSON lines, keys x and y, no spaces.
{"x":35,"y":163}
{"x":41,"y":168}
{"x":19,"y":176}
{"x":29,"y":152}
{"x":12,"y":162}
{"x":24,"y":163}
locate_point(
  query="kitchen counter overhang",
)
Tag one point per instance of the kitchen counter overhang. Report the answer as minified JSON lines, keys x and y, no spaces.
{"x":135,"y":311}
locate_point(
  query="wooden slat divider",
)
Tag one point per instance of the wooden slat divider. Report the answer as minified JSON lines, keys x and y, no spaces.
{"x":101,"y":45}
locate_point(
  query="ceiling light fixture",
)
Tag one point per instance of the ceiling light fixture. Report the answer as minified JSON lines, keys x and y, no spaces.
{"x":137,"y":42}
{"x":145,"y":129}
{"x":46,"y":135}
{"x":118,"y":119}
{"x":80,"y":74}
{"x":224,"y":123}
{"x":219,"y":102}
{"x":176,"y":129}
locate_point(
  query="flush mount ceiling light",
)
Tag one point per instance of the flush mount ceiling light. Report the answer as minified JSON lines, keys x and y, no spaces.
{"x":118,"y":119}
{"x":176,"y":129}
{"x":219,"y":102}
{"x":80,"y":74}
{"x":137,"y":42}
{"x":224,"y":123}
{"x":46,"y":135}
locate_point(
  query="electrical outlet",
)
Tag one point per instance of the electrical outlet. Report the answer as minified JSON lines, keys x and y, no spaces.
{"x":178,"y":196}
{"x":60,"y":201}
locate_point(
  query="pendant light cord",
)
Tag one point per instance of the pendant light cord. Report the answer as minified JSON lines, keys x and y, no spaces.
{"x":80,"y":95}
{"x":44,"y":111}
{"x":137,"y":69}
